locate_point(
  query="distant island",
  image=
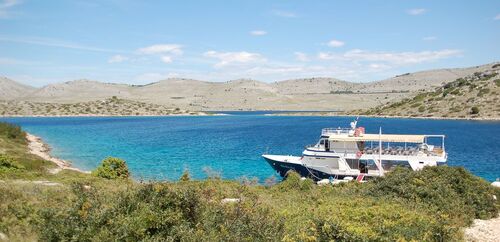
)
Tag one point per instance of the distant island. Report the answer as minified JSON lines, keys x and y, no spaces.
{"x":475,"y":97}
{"x":109,"y":107}
{"x":420,"y":94}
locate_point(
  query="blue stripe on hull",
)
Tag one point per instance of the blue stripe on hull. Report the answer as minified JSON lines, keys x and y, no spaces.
{"x":283,"y":167}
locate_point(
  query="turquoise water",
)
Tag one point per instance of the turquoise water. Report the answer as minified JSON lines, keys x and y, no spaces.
{"x":163,"y":147}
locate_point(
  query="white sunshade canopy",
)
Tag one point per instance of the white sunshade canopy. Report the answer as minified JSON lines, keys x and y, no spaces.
{"x":408,"y":138}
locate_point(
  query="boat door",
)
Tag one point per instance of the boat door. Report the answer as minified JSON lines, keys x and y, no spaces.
{"x":363,"y":166}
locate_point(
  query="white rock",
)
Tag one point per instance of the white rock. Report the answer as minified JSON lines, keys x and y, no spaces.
{"x":230,"y":200}
{"x":496,"y":183}
{"x":3,"y":237}
{"x":323,"y":182}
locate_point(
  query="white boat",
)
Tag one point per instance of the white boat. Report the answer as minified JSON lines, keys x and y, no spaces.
{"x":351,"y":153}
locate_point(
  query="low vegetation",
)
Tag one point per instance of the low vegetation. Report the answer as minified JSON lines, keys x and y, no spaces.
{"x":110,"y":107}
{"x":458,"y":99}
{"x":112,"y":168}
{"x":433,"y":204}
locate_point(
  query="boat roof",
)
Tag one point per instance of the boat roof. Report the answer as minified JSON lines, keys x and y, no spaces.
{"x":408,"y":138}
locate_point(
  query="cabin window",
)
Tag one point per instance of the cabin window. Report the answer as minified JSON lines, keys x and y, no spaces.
{"x":322,"y":142}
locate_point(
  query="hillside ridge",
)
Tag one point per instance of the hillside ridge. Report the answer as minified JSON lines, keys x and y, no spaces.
{"x":474,"y":96}
{"x":316,"y":93}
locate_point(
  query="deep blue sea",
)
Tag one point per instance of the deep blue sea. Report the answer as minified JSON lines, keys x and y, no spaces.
{"x":161,"y":148}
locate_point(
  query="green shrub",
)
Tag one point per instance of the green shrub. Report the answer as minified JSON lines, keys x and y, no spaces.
{"x":452,"y":191}
{"x":185,"y":176}
{"x":416,"y":105}
{"x":421,"y":109}
{"x":293,"y":182}
{"x":474,"y":110}
{"x":482,"y":92}
{"x":112,"y":168}
{"x":367,"y":219}
{"x":159,"y":212}
{"x":8,"y":163}
{"x":497,"y":82}
{"x":12,"y":132}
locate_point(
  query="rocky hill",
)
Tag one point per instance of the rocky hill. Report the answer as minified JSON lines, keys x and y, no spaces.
{"x":108,"y":107}
{"x":298,"y":94}
{"x":473,"y":96}
{"x":10,"y":89}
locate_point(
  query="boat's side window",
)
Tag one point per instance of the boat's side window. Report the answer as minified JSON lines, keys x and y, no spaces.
{"x":322,"y":142}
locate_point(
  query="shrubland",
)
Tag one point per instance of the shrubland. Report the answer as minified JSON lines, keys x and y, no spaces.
{"x":433,"y":204}
{"x":474,"y":96}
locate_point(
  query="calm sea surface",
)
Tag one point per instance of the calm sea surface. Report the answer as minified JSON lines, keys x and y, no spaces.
{"x":163,"y":147}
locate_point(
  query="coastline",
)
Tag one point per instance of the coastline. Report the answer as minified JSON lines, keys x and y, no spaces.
{"x":330,"y":114}
{"x":105,"y":115}
{"x":290,"y":114}
{"x":38,"y":147}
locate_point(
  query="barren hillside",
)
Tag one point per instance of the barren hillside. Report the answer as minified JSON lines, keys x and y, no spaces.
{"x":10,"y":89}
{"x":472,"y":96}
{"x":298,"y":94}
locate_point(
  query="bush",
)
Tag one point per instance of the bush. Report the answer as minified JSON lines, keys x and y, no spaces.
{"x":293,"y":182}
{"x":451,"y":191}
{"x":12,"y":132}
{"x":8,"y":163}
{"x":185,"y":176}
{"x":112,"y":168}
{"x":158,"y":212}
{"x":474,"y":110}
{"x":482,"y":92}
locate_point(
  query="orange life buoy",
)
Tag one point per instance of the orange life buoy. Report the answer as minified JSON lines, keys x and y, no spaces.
{"x":359,"y":154}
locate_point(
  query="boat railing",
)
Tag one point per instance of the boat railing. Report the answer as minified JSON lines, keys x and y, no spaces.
{"x":405,"y":151}
{"x":327,"y":131}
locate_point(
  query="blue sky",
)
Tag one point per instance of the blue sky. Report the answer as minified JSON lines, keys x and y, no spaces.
{"x":138,"y":42}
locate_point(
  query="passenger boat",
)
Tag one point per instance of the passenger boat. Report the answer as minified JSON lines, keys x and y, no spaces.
{"x":350,"y":153}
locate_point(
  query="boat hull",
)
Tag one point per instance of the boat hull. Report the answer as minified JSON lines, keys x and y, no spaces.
{"x":284,"y":164}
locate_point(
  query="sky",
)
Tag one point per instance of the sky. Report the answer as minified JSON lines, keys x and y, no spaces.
{"x":138,"y":42}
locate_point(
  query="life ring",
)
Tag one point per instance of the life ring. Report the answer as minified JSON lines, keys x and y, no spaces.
{"x":360,"y":131}
{"x":359,"y":154}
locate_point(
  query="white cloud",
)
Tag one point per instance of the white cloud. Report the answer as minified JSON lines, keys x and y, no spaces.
{"x":166,"y":59}
{"x":327,"y":56}
{"x":258,"y":32}
{"x":300,"y":56}
{"x":161,"y":49}
{"x":285,"y":14}
{"x":166,"y":51}
{"x":234,"y":58}
{"x":335,"y":43}
{"x":429,"y":38}
{"x":5,"y":6}
{"x":497,"y":17}
{"x":54,"y":43}
{"x":395,"y":58}
{"x":416,"y":11}
{"x":117,"y":59}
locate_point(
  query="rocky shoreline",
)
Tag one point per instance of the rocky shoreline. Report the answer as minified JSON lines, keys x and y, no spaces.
{"x":37,"y":147}
{"x":333,"y":114}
